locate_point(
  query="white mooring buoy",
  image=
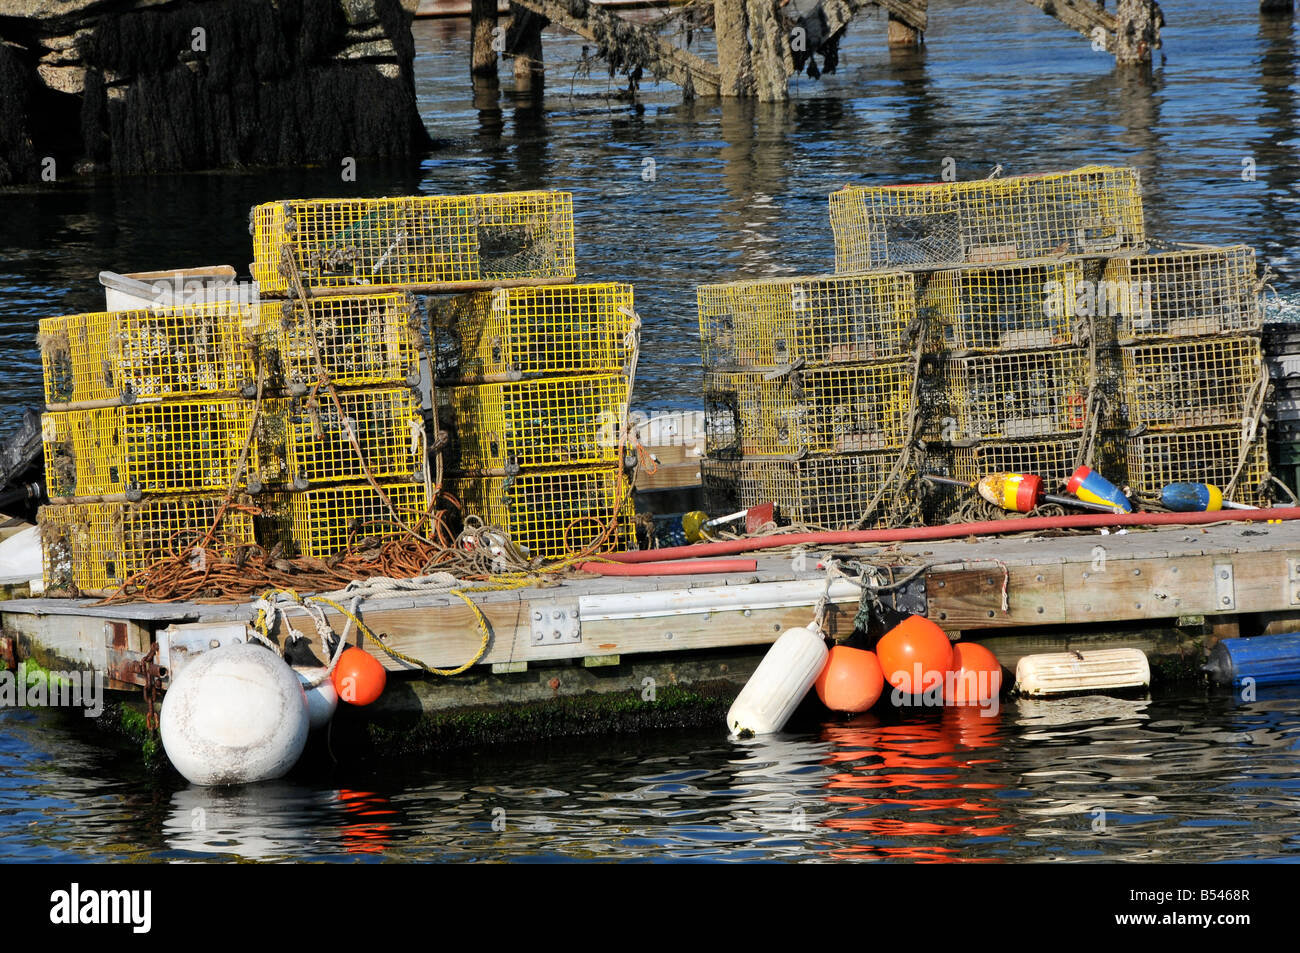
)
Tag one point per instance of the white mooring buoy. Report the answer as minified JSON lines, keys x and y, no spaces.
{"x":322,"y":700}
{"x":234,"y":715}
{"x":779,"y":683}
{"x":1092,"y":671}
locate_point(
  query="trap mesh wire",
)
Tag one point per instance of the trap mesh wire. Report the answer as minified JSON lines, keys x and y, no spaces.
{"x":96,"y":546}
{"x":1088,"y":211}
{"x":148,"y":354}
{"x":421,"y":240}
{"x":362,"y":341}
{"x":524,"y":332}
{"x":553,"y":513}
{"x":556,"y":421}
{"x":1003,"y":307}
{"x":311,"y":438}
{"x":822,"y":410}
{"x":1197,"y":456}
{"x":1190,"y":384}
{"x":1017,"y":394}
{"x":179,"y":446}
{"x":323,"y":521}
{"x":1053,"y":460}
{"x":819,"y":320}
{"x":1190,"y":293}
{"x":827,"y":492}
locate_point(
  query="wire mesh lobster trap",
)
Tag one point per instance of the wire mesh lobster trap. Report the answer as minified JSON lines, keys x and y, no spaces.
{"x":558,"y":421}
{"x":1017,"y":394}
{"x":355,"y":341}
{"x":180,"y":446}
{"x":554,"y":513}
{"x":414,"y":240}
{"x":825,"y":492}
{"x":820,"y":320}
{"x":1210,"y":455}
{"x":1195,"y":292}
{"x":1192,"y":383}
{"x":512,"y":333}
{"x":820,"y":410}
{"x":149,"y":354}
{"x":1088,"y":211}
{"x":324,"y":521}
{"x":96,"y":546}
{"x":1019,"y":307}
{"x":304,"y":442}
{"x":1052,"y":459}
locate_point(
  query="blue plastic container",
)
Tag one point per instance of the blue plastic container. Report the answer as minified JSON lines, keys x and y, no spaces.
{"x":1267,"y":659}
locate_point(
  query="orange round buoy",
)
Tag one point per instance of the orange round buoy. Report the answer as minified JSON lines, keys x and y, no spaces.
{"x":915,"y":655}
{"x":978,"y":674}
{"x":851,"y":680}
{"x":358,"y":678}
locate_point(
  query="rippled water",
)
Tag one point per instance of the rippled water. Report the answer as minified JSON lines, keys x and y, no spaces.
{"x":1185,"y":778}
{"x":739,"y":190}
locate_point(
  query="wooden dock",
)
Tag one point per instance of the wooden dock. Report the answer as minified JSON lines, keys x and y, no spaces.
{"x":1205,"y":581}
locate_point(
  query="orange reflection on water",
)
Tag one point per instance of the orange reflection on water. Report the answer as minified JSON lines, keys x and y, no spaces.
{"x":882,"y":765}
{"x":361,"y":834}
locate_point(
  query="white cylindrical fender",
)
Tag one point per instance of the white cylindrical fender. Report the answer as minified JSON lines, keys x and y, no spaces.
{"x":234,"y":715}
{"x":1095,"y":671}
{"x":322,"y":700}
{"x":779,"y":683}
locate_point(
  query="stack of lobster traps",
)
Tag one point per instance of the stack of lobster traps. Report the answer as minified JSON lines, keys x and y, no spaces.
{"x":148,"y":430}
{"x":289,"y":416}
{"x":808,"y":393}
{"x":1028,"y":326}
{"x":533,"y":388}
{"x":350,"y":430}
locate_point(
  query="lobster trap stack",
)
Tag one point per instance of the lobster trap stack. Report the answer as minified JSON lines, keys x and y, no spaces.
{"x":533,"y":389}
{"x":148,"y":438}
{"x":348,"y":427}
{"x":1192,"y":367}
{"x":808,"y":393}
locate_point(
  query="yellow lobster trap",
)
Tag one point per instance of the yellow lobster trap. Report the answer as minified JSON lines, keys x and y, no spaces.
{"x":1186,"y":384}
{"x":1209,"y":455}
{"x":414,"y":240}
{"x":357,"y":341}
{"x":179,"y":446}
{"x":97,"y":546}
{"x":819,"y":320}
{"x":150,"y":354}
{"x":1193,"y":292}
{"x":554,"y":513}
{"x":1017,"y":394}
{"x":822,"y":492}
{"x":820,"y":410}
{"x":512,"y":333}
{"x":1088,"y":211}
{"x":558,"y":421}
{"x":1017,"y":307}
{"x":324,"y":521}
{"x":305,"y":442}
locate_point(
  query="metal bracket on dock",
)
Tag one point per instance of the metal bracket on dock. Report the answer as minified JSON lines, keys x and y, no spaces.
{"x":1293,"y":580}
{"x":554,"y":623}
{"x":1225,"y":593}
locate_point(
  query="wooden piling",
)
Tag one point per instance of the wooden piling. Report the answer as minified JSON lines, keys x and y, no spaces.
{"x":483,"y":27}
{"x":524,"y":42}
{"x":1277,"y":6}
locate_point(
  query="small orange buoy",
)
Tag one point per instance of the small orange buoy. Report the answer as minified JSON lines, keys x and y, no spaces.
{"x":915,"y":655}
{"x":358,"y":678}
{"x":977,"y":674}
{"x":851,"y":680}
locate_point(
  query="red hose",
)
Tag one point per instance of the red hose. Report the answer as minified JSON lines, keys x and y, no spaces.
{"x":957,"y":531}
{"x":671,"y":569}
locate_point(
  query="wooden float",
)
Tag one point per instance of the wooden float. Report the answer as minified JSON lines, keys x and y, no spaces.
{"x":1204,"y":582}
